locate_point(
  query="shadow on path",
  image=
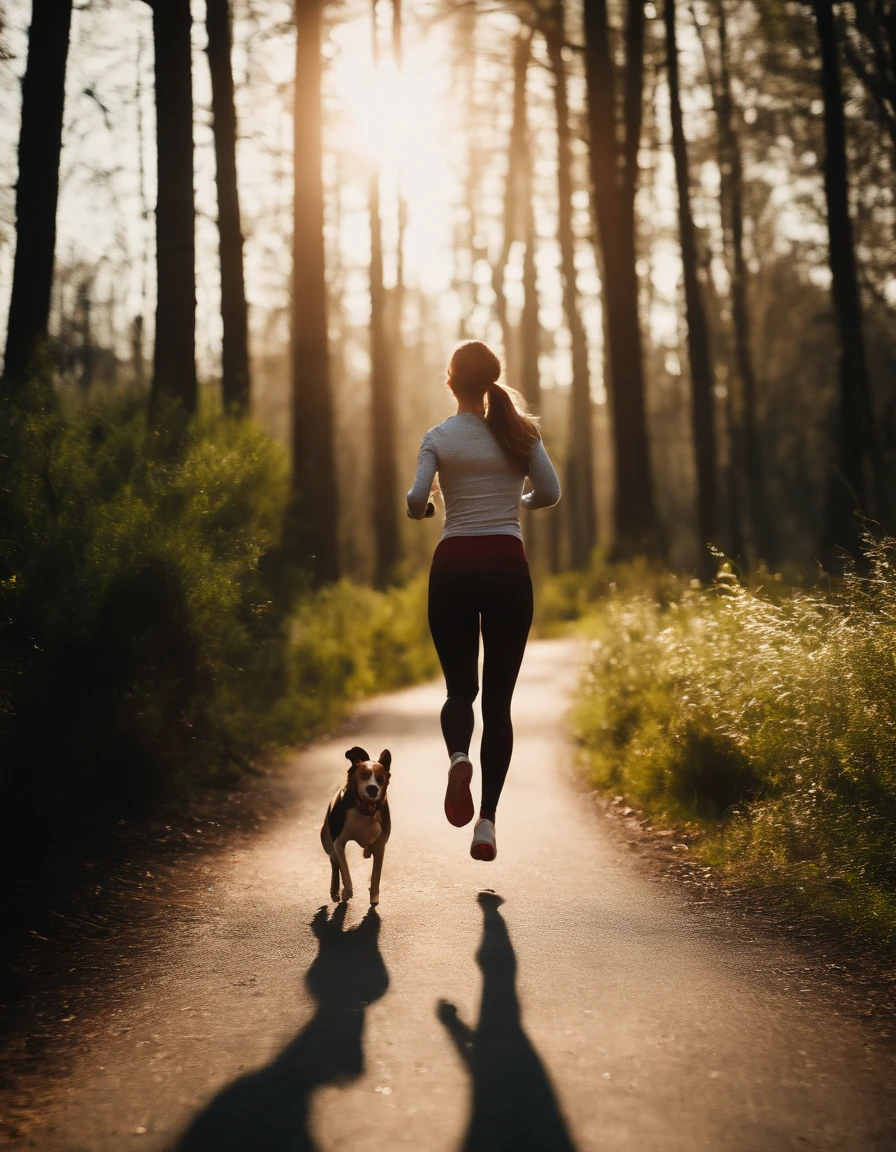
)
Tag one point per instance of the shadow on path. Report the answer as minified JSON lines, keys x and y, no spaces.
{"x":267,"y":1110}
{"x":514,"y":1106}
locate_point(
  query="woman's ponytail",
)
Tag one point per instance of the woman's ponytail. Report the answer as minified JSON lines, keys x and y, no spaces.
{"x":510,"y":424}
{"x":473,"y":373}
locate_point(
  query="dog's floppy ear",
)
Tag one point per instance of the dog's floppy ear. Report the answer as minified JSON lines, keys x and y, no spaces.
{"x":356,"y":755}
{"x":386,"y":759}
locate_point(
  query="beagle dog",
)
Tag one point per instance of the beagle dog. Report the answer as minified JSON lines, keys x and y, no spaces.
{"x":359,"y":812}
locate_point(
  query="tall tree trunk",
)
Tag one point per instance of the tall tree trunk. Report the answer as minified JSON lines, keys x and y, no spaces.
{"x":729,"y":507}
{"x":137,"y":351}
{"x":385,"y":512}
{"x":742,"y":464}
{"x":139,"y":320}
{"x":402,"y":205}
{"x":235,"y":348}
{"x":702,"y":407}
{"x":527,"y":340}
{"x":733,"y":184}
{"x":875,"y":23}
{"x":579,"y":463}
{"x":86,"y":352}
{"x":37,"y":188}
{"x":846,"y":489}
{"x":174,"y":363}
{"x":634,"y":515}
{"x":516,"y":159}
{"x":633,"y":115}
{"x":313,"y":525}
{"x":467,"y":47}
{"x":530,"y":335}
{"x":735,"y":541}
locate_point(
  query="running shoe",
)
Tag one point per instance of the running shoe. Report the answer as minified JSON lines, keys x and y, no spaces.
{"x":484,"y":846}
{"x":458,"y":801}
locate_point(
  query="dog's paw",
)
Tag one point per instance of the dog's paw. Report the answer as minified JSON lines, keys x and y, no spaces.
{"x":374,"y":899}
{"x":334,"y":894}
{"x":347,"y":894}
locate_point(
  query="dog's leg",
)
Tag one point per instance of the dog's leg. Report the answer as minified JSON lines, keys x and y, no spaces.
{"x":334,"y":877}
{"x":339,"y":850}
{"x":378,"y":851}
{"x":368,"y":851}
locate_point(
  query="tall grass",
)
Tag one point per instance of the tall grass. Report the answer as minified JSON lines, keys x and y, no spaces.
{"x":146,"y":643}
{"x":767,"y":721}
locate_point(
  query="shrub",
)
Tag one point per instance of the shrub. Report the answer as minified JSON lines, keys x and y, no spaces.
{"x":349,"y":641}
{"x":145,"y":646}
{"x":771,"y":722}
{"x":130,"y":598}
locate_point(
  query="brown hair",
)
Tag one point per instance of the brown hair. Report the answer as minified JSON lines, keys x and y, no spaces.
{"x":473,"y":371}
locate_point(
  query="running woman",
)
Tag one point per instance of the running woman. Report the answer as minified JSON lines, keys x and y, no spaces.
{"x":480,"y":574}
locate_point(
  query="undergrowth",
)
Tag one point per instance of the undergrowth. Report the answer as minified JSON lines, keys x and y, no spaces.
{"x":564,"y":599}
{"x":349,"y":641}
{"x":768,"y":722}
{"x":147,"y":645}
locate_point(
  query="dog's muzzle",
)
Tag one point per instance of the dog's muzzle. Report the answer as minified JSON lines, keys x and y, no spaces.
{"x":372,"y":791}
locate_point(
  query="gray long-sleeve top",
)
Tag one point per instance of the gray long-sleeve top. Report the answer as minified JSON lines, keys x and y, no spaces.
{"x":482,"y":490}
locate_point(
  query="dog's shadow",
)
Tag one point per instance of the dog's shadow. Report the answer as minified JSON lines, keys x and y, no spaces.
{"x":514,"y":1106}
{"x":268,"y":1109}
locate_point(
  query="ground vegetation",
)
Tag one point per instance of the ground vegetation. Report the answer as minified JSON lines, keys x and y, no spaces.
{"x":760,"y":717}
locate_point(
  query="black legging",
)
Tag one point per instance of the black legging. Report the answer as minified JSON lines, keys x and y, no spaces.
{"x":503,"y":603}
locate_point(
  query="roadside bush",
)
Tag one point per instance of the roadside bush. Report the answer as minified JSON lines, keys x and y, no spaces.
{"x":771,"y":723}
{"x":131,"y":599}
{"x":350,"y":641}
{"x":145,"y":646}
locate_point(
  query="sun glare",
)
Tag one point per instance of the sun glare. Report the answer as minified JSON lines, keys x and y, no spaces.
{"x":399,"y":121}
{"x":381,"y":109}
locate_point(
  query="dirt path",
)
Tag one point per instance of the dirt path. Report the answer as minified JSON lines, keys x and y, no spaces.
{"x":593,"y":1008}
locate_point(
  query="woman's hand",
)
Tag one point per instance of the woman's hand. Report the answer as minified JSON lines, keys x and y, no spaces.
{"x":430,"y":511}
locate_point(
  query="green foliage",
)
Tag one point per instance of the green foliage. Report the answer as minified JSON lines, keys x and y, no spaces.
{"x":349,"y":641}
{"x":145,"y":644}
{"x":569,"y":596}
{"x":770,"y":722}
{"x":130,"y":593}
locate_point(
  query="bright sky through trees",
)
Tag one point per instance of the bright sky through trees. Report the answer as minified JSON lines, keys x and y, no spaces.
{"x":416,"y":125}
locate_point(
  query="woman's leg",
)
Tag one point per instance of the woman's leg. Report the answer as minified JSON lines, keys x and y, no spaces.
{"x":506,"y":619}
{"x":454,"y":624}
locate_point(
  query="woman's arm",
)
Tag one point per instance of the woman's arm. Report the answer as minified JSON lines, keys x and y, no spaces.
{"x":427,"y":466}
{"x":545,"y":485}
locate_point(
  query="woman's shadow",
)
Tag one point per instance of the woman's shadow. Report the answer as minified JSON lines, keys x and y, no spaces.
{"x":514,"y":1106}
{"x":267,"y":1110}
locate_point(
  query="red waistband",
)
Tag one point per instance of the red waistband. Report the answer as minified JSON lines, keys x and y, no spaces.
{"x":467,"y":553}
{"x":481,"y":548}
